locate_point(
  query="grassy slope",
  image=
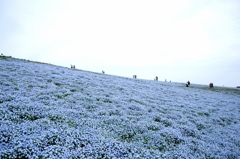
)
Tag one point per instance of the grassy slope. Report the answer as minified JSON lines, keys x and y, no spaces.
{"x":51,"y":111}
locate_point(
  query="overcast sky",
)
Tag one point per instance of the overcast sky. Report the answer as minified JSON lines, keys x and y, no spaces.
{"x":177,"y":40}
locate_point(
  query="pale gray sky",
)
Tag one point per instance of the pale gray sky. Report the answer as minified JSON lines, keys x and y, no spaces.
{"x":196,"y":40}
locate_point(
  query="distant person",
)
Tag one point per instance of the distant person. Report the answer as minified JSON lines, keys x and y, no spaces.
{"x":103,"y":71}
{"x":211,"y":85}
{"x":156,"y":78}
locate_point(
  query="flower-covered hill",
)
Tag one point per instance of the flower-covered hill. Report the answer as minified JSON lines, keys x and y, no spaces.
{"x":48,"y":111}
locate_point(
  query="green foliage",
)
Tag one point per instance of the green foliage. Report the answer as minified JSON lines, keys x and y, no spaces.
{"x":164,"y":122}
{"x":107,"y":101}
{"x":153,"y":128}
{"x":62,"y":96}
{"x":127,"y":136}
{"x":57,"y":84}
{"x":200,"y":126}
{"x":73,"y":90}
{"x":56,"y":118}
{"x":29,"y":116}
{"x":5,"y":57}
{"x":204,"y":114}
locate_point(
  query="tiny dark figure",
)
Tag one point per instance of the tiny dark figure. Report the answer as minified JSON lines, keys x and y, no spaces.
{"x":211,"y":85}
{"x":73,"y":66}
{"x":187,"y":83}
{"x":134,"y":76}
{"x":156,"y":78}
{"x":103,"y":71}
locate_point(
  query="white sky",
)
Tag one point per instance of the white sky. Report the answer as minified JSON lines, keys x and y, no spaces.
{"x":196,"y":40}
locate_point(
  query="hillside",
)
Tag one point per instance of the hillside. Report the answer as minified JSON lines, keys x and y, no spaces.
{"x":48,"y":111}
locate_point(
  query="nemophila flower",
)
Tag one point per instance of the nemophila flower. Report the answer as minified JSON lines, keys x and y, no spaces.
{"x":48,"y":111}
